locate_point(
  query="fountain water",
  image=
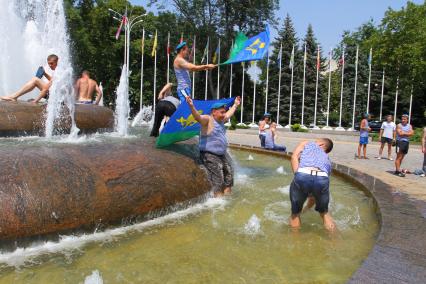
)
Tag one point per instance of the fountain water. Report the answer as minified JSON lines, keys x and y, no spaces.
{"x":122,"y":109}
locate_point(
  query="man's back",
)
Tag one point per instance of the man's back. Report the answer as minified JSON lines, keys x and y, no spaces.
{"x":87,"y":87}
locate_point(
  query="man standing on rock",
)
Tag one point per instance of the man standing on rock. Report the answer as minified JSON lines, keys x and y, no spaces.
{"x":312,"y":168}
{"x":214,"y":144}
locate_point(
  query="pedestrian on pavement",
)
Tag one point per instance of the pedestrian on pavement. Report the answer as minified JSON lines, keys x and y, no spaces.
{"x":387,"y":136}
{"x":404,"y":131}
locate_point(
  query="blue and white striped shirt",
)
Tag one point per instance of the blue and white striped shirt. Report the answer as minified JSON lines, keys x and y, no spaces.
{"x":314,"y":156}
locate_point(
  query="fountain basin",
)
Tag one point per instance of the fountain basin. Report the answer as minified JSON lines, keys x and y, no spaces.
{"x":17,"y":118}
{"x":52,"y":188}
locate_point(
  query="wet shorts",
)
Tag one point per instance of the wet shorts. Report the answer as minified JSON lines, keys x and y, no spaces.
{"x":363,"y":140}
{"x":219,"y":170}
{"x":305,"y":185}
{"x":402,"y":146}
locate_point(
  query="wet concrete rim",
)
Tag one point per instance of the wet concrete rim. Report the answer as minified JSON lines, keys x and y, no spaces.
{"x":399,"y":254}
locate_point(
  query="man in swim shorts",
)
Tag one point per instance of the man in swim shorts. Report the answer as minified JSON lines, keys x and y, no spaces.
{"x":42,"y":81}
{"x":85,"y":87}
{"x":263,"y":125}
{"x":404,"y":131}
{"x":364,"y":129}
{"x":214,"y":144}
{"x":312,"y":168}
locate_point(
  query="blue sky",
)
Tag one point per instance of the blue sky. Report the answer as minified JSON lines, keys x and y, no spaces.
{"x":329,"y":18}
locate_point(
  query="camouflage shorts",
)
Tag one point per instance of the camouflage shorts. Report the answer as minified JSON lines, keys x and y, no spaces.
{"x":219,"y":170}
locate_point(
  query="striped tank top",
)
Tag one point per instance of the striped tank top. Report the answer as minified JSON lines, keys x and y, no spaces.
{"x":183,"y":79}
{"x":314,"y":156}
{"x":404,"y":128}
{"x":216,"y":142}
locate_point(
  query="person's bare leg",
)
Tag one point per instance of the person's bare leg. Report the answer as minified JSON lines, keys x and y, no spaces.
{"x":359,"y":151}
{"x":328,"y":221}
{"x":295,"y":221}
{"x":364,"y":149}
{"x":227,"y":191}
{"x":381,"y":149}
{"x":42,"y":94}
{"x":26,"y":88}
{"x":398,"y":161}
{"x":309,"y":205}
{"x":389,"y":151}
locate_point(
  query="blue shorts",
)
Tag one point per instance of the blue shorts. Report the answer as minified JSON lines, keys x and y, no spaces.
{"x":183,"y":93}
{"x":305,"y":185}
{"x":363,"y":140}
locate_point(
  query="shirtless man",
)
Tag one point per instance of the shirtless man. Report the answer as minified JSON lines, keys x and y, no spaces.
{"x":85,"y":87}
{"x":43,"y":84}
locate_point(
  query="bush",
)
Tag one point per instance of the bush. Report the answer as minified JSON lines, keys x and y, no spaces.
{"x":296,"y":128}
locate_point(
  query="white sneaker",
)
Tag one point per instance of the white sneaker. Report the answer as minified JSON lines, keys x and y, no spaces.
{"x":379,"y":158}
{"x":390,"y":159}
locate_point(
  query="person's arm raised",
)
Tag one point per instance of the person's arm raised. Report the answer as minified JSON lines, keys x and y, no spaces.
{"x":232,"y":109}
{"x":202,"y":119}
{"x":165,"y":89}
{"x":183,"y":64}
{"x":296,"y":155}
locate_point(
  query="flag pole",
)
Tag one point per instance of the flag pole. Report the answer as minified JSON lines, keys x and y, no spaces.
{"x":155,"y":75}
{"x":254,"y":105}
{"x":381,"y":96}
{"x":207,"y":71}
{"x":142,"y":51}
{"x":193,"y":73}
{"x":291,"y":88}
{"x":279,"y":87}
{"x":327,"y":127}
{"x":230,"y":84}
{"x":340,"y":128}
{"x":302,"y":125}
{"x":411,"y":103}
{"x":370,"y":57}
{"x":218,"y":71}
{"x":396,"y":100}
{"x":316,"y":88}
{"x":168,"y":57}
{"x":356,"y":81}
{"x":242,"y":96}
{"x":267,"y":83}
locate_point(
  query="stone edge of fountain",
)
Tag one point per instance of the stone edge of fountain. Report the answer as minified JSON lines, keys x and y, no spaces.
{"x":399,"y":253}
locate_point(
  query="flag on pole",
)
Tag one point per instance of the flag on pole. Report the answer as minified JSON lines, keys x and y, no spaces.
{"x":154,"y":46}
{"x":206,"y":50}
{"x":143,"y":42}
{"x":280,"y":54}
{"x":181,"y":38}
{"x":250,"y":49}
{"x":168,"y":43}
{"x":292,"y":59}
{"x":122,"y":23}
{"x":318,"y":58}
{"x":182,"y":124}
{"x":216,"y":54}
{"x":370,"y":57}
{"x":342,"y":59}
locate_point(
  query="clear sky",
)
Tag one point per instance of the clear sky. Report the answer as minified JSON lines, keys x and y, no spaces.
{"x":329,"y":18}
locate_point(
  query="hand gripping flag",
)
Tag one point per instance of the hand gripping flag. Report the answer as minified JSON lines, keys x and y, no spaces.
{"x":250,"y":49}
{"x":182,"y":125}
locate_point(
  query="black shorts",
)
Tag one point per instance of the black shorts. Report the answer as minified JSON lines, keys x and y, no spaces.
{"x":220,"y":171}
{"x":386,"y":140}
{"x":402,"y":147}
{"x":305,"y":185}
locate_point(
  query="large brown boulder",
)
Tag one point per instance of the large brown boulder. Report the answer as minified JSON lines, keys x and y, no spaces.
{"x":55,"y":188}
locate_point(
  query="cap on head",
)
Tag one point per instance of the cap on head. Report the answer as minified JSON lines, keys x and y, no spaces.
{"x":405,"y":115}
{"x":218,"y":106}
{"x":366,"y":115}
{"x":180,"y":46}
{"x":267,"y":114}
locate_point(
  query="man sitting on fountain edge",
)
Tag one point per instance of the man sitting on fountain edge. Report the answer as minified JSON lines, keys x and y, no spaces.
{"x":213,"y":145}
{"x":85,"y":87}
{"x":43,"y":84}
{"x":312,"y":168}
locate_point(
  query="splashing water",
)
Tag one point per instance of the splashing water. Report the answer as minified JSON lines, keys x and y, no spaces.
{"x":144,"y":117}
{"x":101,"y":88}
{"x":250,"y":158}
{"x":94,"y":278}
{"x":122,"y":108}
{"x":253,"y":226}
{"x":281,"y":170}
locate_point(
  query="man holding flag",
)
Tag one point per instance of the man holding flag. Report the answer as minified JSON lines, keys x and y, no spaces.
{"x":182,"y":68}
{"x":213,"y":145}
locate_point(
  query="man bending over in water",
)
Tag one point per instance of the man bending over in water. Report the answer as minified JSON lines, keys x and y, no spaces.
{"x":43,"y":84}
{"x":312,"y":167}
{"x":85,"y":87}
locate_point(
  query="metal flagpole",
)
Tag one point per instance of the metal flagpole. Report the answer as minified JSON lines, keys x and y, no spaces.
{"x":302,"y":125}
{"x":254,"y":104}
{"x":411,"y":103}
{"x":155,"y":76}
{"x":316,"y":88}
{"x":370,"y":58}
{"x":396,"y":99}
{"x":230,"y":79}
{"x":142,"y":51}
{"x":327,"y":127}
{"x":291,"y":88}
{"x":207,"y":71}
{"x":168,"y":57}
{"x":267,"y":83}
{"x":381,"y":96}
{"x":218,"y":71}
{"x":356,"y":81}
{"x":279,"y":87}
{"x":193,"y":73}
{"x":242,"y":96}
{"x":340,"y":128}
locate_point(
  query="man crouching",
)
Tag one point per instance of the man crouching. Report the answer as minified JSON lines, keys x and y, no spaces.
{"x":312,"y":168}
{"x":213,"y":145}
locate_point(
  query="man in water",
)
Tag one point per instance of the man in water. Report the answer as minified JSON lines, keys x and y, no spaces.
{"x":213,"y":145}
{"x":42,"y":80}
{"x":403,"y":133}
{"x":364,"y":129}
{"x":263,"y":125}
{"x":312,"y":168}
{"x":165,"y":108}
{"x":85,"y":87}
{"x":182,"y":68}
{"x":387,"y":135}
{"x":270,"y":135}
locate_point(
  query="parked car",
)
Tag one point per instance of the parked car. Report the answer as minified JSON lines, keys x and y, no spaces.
{"x":374,"y":125}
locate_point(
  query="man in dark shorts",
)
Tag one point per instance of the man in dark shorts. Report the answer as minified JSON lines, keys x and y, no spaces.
{"x":404,"y":131}
{"x":312,"y":168}
{"x":165,"y":108}
{"x":213,"y":145}
{"x":387,"y":135}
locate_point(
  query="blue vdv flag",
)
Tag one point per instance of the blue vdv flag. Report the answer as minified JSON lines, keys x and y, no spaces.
{"x":182,"y":125}
{"x":254,"y":48}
